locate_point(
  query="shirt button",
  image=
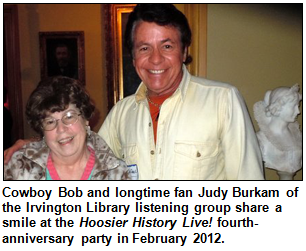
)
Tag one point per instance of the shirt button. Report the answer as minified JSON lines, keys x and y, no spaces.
{"x":150,"y":124}
{"x":152,"y":152}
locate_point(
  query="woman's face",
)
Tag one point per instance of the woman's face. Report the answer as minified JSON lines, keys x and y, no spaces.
{"x":66,"y":141}
{"x":289,"y":111}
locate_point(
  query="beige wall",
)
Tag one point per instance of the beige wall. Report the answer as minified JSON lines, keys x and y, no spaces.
{"x":254,"y":47}
{"x":63,"y":17}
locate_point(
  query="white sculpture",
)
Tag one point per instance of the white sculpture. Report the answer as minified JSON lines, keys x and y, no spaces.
{"x":280,"y":138}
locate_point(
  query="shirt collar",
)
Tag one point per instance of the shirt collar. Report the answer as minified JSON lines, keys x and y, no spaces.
{"x":140,"y":94}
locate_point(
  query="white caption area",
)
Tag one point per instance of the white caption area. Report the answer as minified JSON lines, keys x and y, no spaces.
{"x":150,"y":215}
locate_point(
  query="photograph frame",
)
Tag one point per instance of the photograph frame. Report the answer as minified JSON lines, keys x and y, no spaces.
{"x":117,"y":67}
{"x":74,"y":41}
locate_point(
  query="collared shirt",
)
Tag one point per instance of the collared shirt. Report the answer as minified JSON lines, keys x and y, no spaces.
{"x":204,"y":132}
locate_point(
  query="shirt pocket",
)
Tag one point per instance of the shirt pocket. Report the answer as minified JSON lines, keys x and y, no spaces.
{"x":195,"y":160}
{"x":129,"y":154}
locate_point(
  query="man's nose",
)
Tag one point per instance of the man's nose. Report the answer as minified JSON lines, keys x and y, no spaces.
{"x":156,"y":57}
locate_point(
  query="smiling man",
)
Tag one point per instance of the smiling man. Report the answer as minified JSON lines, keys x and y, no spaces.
{"x":177,"y":126}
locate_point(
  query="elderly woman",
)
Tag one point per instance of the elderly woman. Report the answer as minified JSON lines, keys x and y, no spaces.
{"x":279,"y":136}
{"x":59,"y":110}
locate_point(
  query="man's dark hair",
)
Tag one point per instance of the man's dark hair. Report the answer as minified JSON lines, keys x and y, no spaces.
{"x":54,"y":95}
{"x":163,"y":15}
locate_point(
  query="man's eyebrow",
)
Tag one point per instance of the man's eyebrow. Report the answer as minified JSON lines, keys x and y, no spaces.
{"x":167,"y":40}
{"x":142,"y":43}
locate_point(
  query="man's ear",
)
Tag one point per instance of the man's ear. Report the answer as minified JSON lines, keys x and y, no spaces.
{"x":185,"y":54}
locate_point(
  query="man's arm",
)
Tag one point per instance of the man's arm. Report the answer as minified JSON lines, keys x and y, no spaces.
{"x":18,"y":145}
{"x":108,"y":132}
{"x":239,"y":142}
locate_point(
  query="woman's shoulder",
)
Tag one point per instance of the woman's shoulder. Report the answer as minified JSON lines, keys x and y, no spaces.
{"x":31,"y":148}
{"x":22,"y":166}
{"x":97,"y":143}
{"x":107,"y":166}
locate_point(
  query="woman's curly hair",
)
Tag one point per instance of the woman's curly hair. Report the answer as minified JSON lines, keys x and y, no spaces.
{"x":55,"y":95}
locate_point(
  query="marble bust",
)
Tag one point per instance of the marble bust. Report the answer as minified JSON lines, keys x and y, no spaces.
{"x":280,"y":138}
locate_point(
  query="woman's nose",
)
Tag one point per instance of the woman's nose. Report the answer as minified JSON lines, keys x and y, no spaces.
{"x":61,"y":127}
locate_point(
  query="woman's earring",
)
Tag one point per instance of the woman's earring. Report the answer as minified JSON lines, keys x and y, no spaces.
{"x":88,"y":131}
{"x":44,"y":142}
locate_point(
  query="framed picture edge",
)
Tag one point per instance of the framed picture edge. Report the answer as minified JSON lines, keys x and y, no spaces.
{"x":114,"y":45}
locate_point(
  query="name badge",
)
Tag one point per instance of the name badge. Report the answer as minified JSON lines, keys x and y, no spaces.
{"x":133,"y":172}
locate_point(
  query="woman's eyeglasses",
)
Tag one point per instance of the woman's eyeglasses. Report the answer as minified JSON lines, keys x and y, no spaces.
{"x":68,"y":119}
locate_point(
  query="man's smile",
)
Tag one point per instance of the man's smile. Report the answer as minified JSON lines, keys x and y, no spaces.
{"x":156,"y":71}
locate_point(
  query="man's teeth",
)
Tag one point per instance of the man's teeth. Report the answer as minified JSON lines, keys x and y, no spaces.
{"x":157,"y":71}
{"x":63,"y":141}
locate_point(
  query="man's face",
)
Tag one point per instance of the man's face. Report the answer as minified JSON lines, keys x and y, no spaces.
{"x":62,"y":56}
{"x":158,"y":57}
